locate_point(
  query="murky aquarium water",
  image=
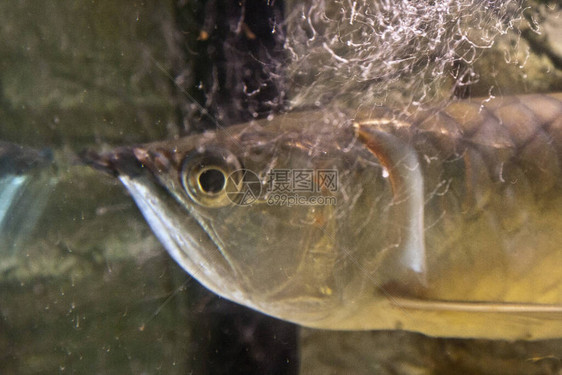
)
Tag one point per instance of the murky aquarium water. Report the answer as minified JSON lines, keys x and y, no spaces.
{"x":280,"y":187}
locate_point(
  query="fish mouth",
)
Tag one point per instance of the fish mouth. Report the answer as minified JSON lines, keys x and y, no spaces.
{"x":177,"y":228}
{"x":118,"y":162}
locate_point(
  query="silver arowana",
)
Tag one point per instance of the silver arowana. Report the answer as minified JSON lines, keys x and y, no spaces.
{"x":448,"y":222}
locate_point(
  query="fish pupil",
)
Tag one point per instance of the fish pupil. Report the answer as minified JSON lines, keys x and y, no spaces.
{"x":212,"y":181}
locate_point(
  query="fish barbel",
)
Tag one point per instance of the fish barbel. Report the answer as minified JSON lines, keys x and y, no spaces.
{"x":447,"y":222}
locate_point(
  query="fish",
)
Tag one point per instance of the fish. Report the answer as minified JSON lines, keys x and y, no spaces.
{"x":17,"y":159}
{"x":23,"y":193}
{"x":444,"y":221}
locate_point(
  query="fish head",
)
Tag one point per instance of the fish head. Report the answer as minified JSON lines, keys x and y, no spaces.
{"x":211,"y":200}
{"x":284,"y":216}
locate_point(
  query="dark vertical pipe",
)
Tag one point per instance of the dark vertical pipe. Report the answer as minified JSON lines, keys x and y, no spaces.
{"x":232,"y":61}
{"x":228,"y":60}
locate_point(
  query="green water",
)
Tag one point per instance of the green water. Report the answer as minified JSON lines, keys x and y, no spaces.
{"x":88,"y":288}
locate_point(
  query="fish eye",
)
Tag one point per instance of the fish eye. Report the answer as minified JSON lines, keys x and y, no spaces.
{"x":212,"y":180}
{"x":209,"y":176}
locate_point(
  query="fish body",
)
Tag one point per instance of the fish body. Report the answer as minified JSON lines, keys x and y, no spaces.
{"x":446,"y":222}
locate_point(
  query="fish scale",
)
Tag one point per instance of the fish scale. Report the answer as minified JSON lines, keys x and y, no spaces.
{"x":506,"y":173}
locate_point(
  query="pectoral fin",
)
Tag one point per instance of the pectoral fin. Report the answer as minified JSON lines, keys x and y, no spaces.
{"x":408,"y":263}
